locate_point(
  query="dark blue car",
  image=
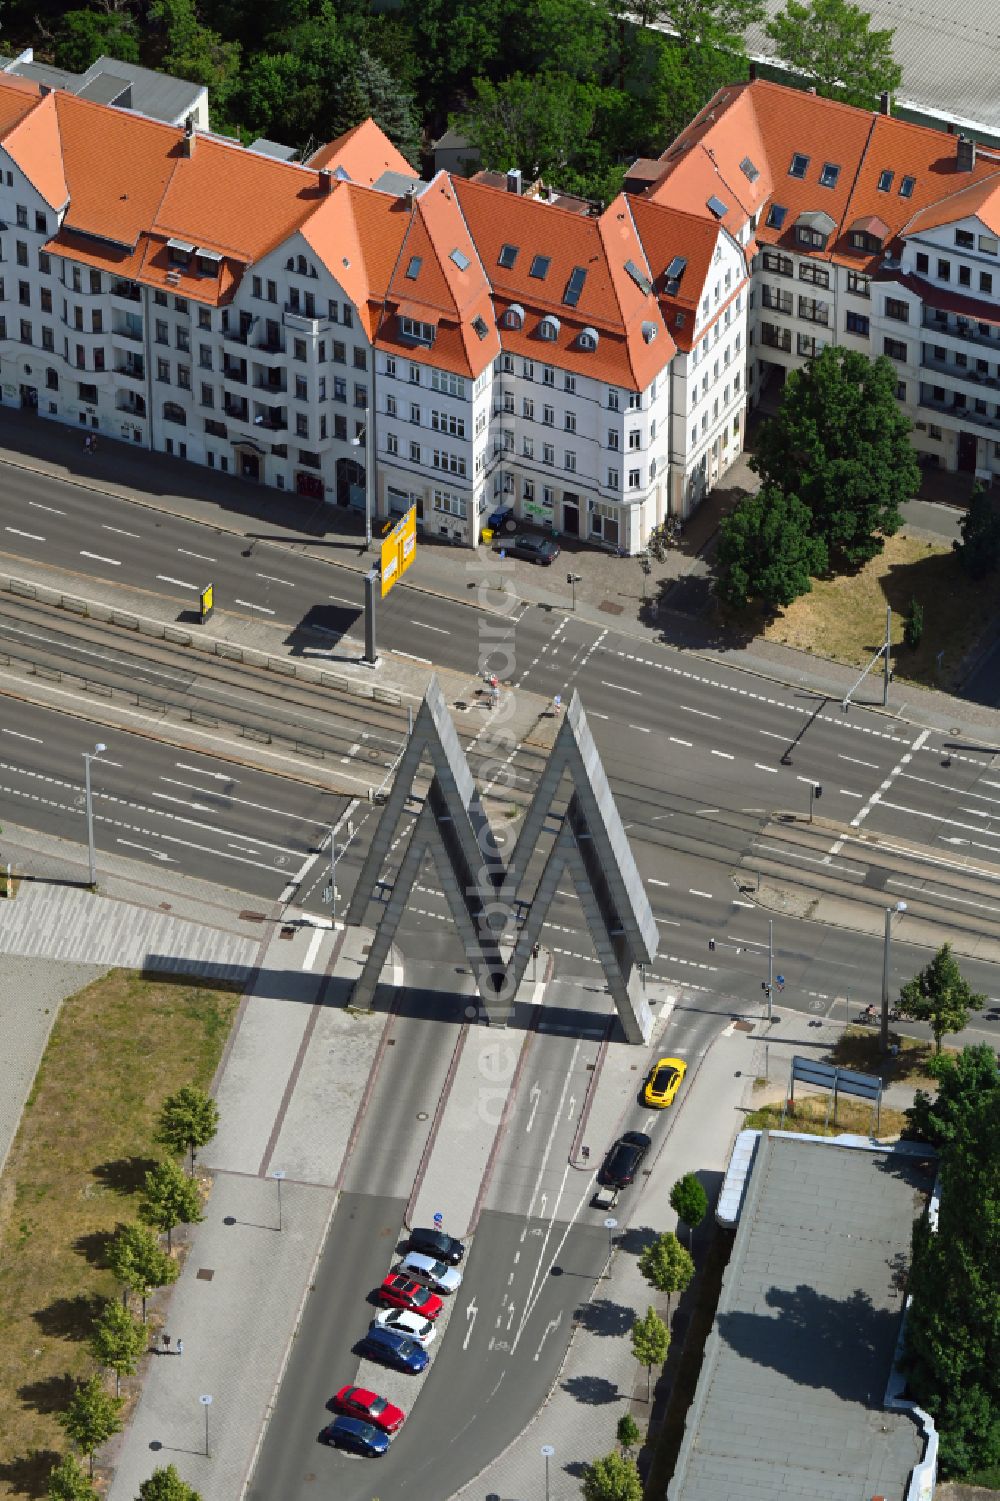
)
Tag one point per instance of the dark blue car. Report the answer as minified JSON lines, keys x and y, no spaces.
{"x":392,"y":1349}
{"x":355,"y":1436}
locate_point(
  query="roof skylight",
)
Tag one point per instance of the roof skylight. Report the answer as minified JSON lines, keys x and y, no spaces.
{"x":800,"y":165}
{"x":540,"y":267}
{"x":718,"y":208}
{"x":641,"y":280}
{"x":574,"y":286}
{"x":776,"y":216}
{"x":884,"y":183}
{"x":674,"y":273}
{"x":906,"y":187}
{"x":413,"y":269}
{"x":749,"y":170}
{"x":508,"y":255}
{"x":458,"y":259}
{"x":829,"y":175}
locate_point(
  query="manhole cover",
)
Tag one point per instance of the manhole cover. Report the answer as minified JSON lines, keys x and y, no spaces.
{"x":610,"y":608}
{"x":252,"y":916}
{"x":374,"y":755}
{"x":743,"y":1027}
{"x":287,"y":932}
{"x":204,"y":1274}
{"x":165,"y":907}
{"x":422,"y":1115}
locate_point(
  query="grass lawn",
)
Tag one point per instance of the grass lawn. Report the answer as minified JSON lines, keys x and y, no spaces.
{"x":860,"y":1048}
{"x":844,"y":617}
{"x":808,"y":1115}
{"x":85,"y":1141}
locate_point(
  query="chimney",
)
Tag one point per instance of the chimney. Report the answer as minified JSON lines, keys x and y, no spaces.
{"x":753,"y":72}
{"x":966,"y":154}
{"x":885,"y":103}
{"x":811,"y":89}
{"x":187,"y":145}
{"x":514,"y":181}
{"x":43,"y":89}
{"x":326,"y":180}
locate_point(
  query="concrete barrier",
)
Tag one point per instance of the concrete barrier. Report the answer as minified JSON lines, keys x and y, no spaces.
{"x":126,"y":622}
{"x":18,"y":586}
{"x":74,"y":606}
{"x":152,"y":628}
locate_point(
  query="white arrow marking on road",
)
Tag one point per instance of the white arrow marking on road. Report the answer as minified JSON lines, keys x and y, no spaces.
{"x":534,"y":1096}
{"x":541,"y":1212}
{"x":572,"y":1106}
{"x":550,"y":1328}
{"x":471,"y":1312}
{"x":218,"y":776}
{"x":156,"y":854}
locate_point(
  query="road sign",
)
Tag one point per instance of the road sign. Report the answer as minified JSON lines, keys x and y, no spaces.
{"x":779,"y":980}
{"x":439,"y":1220}
{"x":207,"y":600}
{"x":399,"y":549}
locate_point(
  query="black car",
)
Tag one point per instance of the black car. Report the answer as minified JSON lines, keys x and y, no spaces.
{"x":624,"y":1160}
{"x":356,"y":1437}
{"x":436,"y":1243}
{"x":535,"y":549}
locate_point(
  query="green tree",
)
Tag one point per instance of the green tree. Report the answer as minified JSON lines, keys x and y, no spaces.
{"x":613,"y":1478}
{"x":666,"y":1265}
{"x":455,"y":41}
{"x":368,"y":88}
{"x":539,"y":124}
{"x":689,"y":1201}
{"x":189,"y":1118}
{"x":979,"y":550}
{"x":831,"y":43}
{"x":85,"y":35}
{"x":628,"y":1433}
{"x":186,"y":48}
{"x":169,"y":1198}
{"x":840,"y":443}
{"x":167,"y":1485}
{"x":92,"y":1416}
{"x":136,"y":1258}
{"x":573,"y":35}
{"x":720,"y":24}
{"x":940,"y":996}
{"x":650,"y":1343}
{"x":117,"y":1342}
{"x":913,"y":628}
{"x":68,"y":1481}
{"x":767,"y":550}
{"x":684,"y":79}
{"x":953,"y":1324}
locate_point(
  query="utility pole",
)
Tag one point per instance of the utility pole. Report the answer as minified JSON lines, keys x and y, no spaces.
{"x":890,"y":913}
{"x":888,"y":655}
{"x":770,"y":967}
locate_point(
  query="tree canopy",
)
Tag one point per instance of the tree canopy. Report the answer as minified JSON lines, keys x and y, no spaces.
{"x":953,"y":1324}
{"x":666,"y":1264}
{"x":117,"y":1342}
{"x":979,"y":550}
{"x":138,"y":1261}
{"x":166,"y":1485}
{"x":650,"y":1343}
{"x":841,"y":444}
{"x":767,"y":551}
{"x":831,"y":43}
{"x":189,"y":1118}
{"x":689,"y":1201}
{"x":613,"y":1478}
{"x":69,"y":1481}
{"x":169,"y":1198}
{"x":940,"y":996}
{"x":92,"y":1416}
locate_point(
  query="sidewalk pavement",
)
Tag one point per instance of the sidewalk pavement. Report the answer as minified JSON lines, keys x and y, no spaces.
{"x":610,"y":591}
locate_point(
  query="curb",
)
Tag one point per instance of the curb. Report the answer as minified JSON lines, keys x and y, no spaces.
{"x":442,"y":1105}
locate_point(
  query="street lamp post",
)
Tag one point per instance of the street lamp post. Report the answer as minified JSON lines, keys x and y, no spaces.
{"x":890,"y":913}
{"x":547,"y":1453}
{"x":89,"y":756}
{"x":368,"y":440}
{"x":573,"y":579}
{"x":206,"y":1403}
{"x":278,"y":1176}
{"x":610,"y":1225}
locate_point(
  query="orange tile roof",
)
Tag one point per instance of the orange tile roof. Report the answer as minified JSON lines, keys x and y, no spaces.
{"x":18,"y":96}
{"x":364,"y":153}
{"x":705,"y":162}
{"x":34,"y":144}
{"x":668,"y":232}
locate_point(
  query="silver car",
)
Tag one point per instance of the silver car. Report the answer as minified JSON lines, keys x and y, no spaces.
{"x":436,"y":1274}
{"x":405,"y":1321}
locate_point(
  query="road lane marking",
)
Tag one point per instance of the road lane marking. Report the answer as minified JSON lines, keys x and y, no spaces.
{"x":620,"y":688}
{"x":876,"y":796}
{"x":98,"y":558}
{"x":272,"y":580}
{"x":645,"y":730}
{"x":846,"y":792}
{"x":723,"y":755}
{"x":759,"y":766}
{"x":593,"y":714}
{"x":165,"y":578}
{"x":17,"y":734}
{"x":202,"y":771}
{"x":54,"y":510}
{"x":31,"y":536}
{"x":201,"y":556}
{"x":702,"y":713}
{"x":674,"y":741}
{"x":693,"y":891}
{"x":146,"y":849}
{"x":313,"y":949}
{"x":654,"y":882}
{"x":872,"y":765}
{"x":424,"y":626}
{"x":119,"y":531}
{"x":412,"y":657}
{"x":249,"y":605}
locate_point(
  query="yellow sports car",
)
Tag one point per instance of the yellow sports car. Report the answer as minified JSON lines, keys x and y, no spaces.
{"x":664,"y":1081}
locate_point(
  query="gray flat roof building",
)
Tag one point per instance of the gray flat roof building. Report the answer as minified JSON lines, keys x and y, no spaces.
{"x":790,"y":1400}
{"x":127,"y":85}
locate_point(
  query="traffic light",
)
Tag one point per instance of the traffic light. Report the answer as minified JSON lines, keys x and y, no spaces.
{"x":711,"y":945}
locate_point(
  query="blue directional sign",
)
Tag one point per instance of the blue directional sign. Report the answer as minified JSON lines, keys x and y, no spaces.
{"x":439,"y":1220}
{"x":779,"y":980}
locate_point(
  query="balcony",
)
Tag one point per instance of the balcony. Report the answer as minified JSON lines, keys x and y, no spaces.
{"x":127,"y":331}
{"x":130,"y":366}
{"x":130,"y":404}
{"x":126,"y":290}
{"x":235,"y":371}
{"x":959,"y":413}
{"x":239,"y":335}
{"x":270,"y":380}
{"x":958,"y":372}
{"x":238,"y":410}
{"x":272,"y":419}
{"x":962,"y":328}
{"x":301,"y":323}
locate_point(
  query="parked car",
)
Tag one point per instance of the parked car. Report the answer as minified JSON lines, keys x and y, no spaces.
{"x":395,"y":1350}
{"x":501,"y":517}
{"x":435,"y":1243}
{"x":664,"y":1081}
{"x":436,"y":1274}
{"x":404,"y":1321}
{"x":400,"y":1290}
{"x":535,"y":549}
{"x":356,"y":1437}
{"x":358,"y":1402}
{"x":624,"y":1160}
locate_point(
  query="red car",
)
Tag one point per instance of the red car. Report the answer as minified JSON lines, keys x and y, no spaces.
{"x":402,"y":1292}
{"x":356,"y":1402}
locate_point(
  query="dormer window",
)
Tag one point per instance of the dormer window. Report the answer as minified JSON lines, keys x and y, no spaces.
{"x":549,"y":328}
{"x":208,"y":262}
{"x":799,"y":166}
{"x":514,"y":316}
{"x":479,"y":326}
{"x":179,"y":252}
{"x":829,"y":175}
{"x":673,"y":275}
{"x":588,"y":339}
{"x":419,"y":332}
{"x":649,"y":329}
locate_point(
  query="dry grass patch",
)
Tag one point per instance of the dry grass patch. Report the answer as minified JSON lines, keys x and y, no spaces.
{"x":85,"y":1141}
{"x":844,"y":617}
{"x":808,"y":1115}
{"x":861,"y":1048}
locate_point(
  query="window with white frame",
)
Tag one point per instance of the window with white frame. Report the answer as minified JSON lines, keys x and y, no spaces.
{"x":570,"y":422}
{"x":449,"y":504}
{"x":613,"y":437}
{"x":548,"y":453}
{"x":449,"y":461}
{"x":634,"y":438}
{"x":419,"y":332}
{"x":570,"y":461}
{"x":391,"y":443}
{"x":633,"y":479}
{"x":529,"y":448}
{"x":613,"y":479}
{"x":446,"y":422}
{"x":528,"y":408}
{"x":613,"y":398}
{"x":448,"y":384}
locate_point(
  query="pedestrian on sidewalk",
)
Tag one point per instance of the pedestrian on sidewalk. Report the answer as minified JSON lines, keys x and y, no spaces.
{"x":557,"y":705}
{"x":180,"y":1347}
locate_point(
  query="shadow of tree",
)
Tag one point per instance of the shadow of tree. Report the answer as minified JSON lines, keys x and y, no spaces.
{"x":125,"y":1175}
{"x":593,"y":1391}
{"x":70,"y":1318}
{"x":28,"y":1474}
{"x":93,"y":1247}
{"x":816,"y":1340}
{"x":635,"y":1239}
{"x":50,"y":1394}
{"x":601,"y":1316}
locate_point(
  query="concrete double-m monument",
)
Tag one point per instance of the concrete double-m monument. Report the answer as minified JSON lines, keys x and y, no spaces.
{"x":498,"y":928}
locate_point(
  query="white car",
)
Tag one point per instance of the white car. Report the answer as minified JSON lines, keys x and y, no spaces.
{"x":436,"y":1274}
{"x":405,"y":1321}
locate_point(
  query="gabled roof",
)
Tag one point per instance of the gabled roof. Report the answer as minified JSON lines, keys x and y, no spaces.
{"x":363,"y":153}
{"x":33,"y":143}
{"x":978,"y":199}
{"x":706,"y":162}
{"x":671,"y":234}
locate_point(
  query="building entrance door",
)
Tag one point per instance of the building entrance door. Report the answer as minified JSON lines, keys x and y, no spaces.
{"x":571,"y":515}
{"x":967,"y":445}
